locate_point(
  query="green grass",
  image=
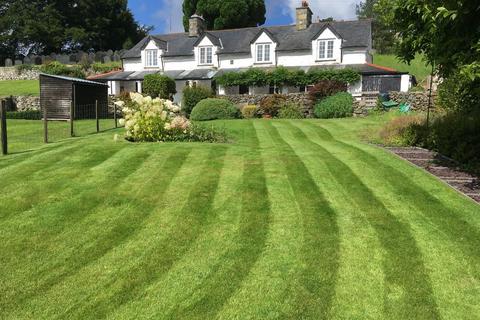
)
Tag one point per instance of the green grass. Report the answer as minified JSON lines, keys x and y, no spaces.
{"x":294,"y":220}
{"x":19,"y":88}
{"x":417,"y":67}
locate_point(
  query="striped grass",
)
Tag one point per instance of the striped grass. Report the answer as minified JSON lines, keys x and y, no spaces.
{"x":294,"y":220}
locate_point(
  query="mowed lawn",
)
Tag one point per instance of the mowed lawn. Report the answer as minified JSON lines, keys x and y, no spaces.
{"x":293,"y":220}
{"x":19,"y":88}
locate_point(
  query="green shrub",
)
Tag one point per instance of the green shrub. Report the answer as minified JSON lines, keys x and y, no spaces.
{"x":459,"y":94}
{"x":159,"y":86}
{"x":212,"y":109}
{"x":59,"y":69}
{"x":326,"y":88}
{"x":106,"y":67}
{"x":250,"y":111}
{"x":290,"y":110}
{"x":25,"y":115}
{"x":193,"y":95}
{"x":270,"y":105}
{"x":339,"y":105}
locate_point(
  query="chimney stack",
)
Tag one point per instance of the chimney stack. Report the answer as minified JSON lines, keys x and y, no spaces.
{"x":304,"y":16}
{"x":197,"y":26}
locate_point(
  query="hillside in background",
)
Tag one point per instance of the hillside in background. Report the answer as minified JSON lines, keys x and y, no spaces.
{"x":417,"y":67}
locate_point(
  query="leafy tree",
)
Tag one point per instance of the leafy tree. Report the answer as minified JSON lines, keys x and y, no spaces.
{"x":46,"y":26}
{"x":383,"y":36}
{"x":225,"y":14}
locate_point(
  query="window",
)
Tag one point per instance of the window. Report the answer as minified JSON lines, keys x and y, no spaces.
{"x":206,"y":55}
{"x":325,"y":49}
{"x":151,"y":58}
{"x":263,"y":52}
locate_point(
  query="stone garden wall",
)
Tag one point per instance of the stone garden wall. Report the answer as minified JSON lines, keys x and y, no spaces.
{"x":74,"y":58}
{"x":418,"y":100}
{"x":23,"y":103}
{"x":11,"y":73}
{"x":301,"y":99}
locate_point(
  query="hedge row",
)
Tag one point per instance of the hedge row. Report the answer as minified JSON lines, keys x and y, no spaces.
{"x":282,"y":76}
{"x":25,"y":115}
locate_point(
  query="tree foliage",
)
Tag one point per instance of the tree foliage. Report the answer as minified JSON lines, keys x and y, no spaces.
{"x":383,"y":35}
{"x":46,"y":26}
{"x":226,"y":14}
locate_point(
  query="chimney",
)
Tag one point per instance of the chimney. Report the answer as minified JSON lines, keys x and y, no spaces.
{"x":197,"y":26}
{"x":304,"y":16}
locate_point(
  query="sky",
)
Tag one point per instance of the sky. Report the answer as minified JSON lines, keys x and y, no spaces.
{"x":166,"y":15}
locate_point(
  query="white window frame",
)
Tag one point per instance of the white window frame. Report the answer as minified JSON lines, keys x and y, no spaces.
{"x":263,"y":53}
{"x":205,"y":55}
{"x":326,"y":49}
{"x":151,"y":58}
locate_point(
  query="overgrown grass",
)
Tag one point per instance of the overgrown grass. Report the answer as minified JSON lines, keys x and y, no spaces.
{"x":19,"y":88}
{"x":417,"y":67}
{"x":297,"y":219}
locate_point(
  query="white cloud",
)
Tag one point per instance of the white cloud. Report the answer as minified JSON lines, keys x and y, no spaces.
{"x":170,"y":16}
{"x":338,"y":9}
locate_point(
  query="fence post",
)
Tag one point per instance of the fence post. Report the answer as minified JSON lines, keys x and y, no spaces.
{"x":72,"y":110}
{"x":45,"y":125}
{"x":96,"y":116}
{"x":3,"y":126}
{"x":115,"y":115}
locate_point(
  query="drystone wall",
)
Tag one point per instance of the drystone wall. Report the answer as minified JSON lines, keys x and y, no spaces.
{"x":12,"y":73}
{"x":418,"y":100}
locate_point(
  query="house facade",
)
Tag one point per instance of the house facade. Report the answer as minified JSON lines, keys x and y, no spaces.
{"x":196,"y":57}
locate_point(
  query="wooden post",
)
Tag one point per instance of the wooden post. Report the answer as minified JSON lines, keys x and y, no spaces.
{"x":72,"y":110}
{"x":115,"y":115}
{"x":96,"y":116}
{"x":45,"y":125}
{"x":3,"y":126}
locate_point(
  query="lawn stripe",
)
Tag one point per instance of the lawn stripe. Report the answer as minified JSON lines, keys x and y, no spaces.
{"x":459,"y":231}
{"x":63,"y":227}
{"x":321,"y":236}
{"x":183,"y":285}
{"x":194,"y":216}
{"x":136,"y":198}
{"x":227,"y":276}
{"x":409,"y":292}
{"x":54,"y":175}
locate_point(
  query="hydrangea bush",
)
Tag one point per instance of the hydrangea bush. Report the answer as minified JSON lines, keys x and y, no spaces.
{"x":153,"y":120}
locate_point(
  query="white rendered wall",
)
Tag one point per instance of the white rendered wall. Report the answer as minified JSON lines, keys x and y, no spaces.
{"x":239,"y":61}
{"x":354,"y":57}
{"x":406,"y":83}
{"x":134,"y":64}
{"x":180,"y":63}
{"x":355,"y":89}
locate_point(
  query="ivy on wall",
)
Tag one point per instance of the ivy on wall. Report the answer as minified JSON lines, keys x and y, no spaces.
{"x":282,"y":76}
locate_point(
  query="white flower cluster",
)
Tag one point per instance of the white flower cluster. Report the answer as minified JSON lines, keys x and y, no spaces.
{"x":146,"y":119}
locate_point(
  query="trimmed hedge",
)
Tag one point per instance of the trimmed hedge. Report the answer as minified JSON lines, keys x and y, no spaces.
{"x":193,"y":95}
{"x":59,"y":69}
{"x":25,"y":115}
{"x":339,"y":105}
{"x":159,"y":86}
{"x":212,"y":109}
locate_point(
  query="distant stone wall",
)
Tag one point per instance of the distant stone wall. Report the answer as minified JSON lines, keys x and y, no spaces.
{"x":11,"y":73}
{"x":23,"y":103}
{"x":74,"y":58}
{"x":418,"y":100}
{"x":301,"y":99}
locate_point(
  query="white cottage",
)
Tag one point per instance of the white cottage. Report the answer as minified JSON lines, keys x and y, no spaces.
{"x":196,"y":57}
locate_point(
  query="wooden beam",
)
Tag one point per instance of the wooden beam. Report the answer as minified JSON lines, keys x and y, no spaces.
{"x":3,"y":127}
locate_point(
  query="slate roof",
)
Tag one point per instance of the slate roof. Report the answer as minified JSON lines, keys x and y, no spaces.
{"x":356,"y":33}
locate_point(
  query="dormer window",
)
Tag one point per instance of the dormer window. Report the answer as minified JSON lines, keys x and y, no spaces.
{"x":206,"y":55}
{"x":263,"y":53}
{"x":325,"y":49}
{"x":151,"y":58}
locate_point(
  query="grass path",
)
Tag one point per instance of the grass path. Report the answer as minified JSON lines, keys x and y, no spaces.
{"x":295,"y":220}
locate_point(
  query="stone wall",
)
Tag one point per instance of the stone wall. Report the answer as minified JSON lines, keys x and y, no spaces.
{"x":301,"y":99}
{"x":418,"y":100}
{"x":23,"y":103}
{"x":74,"y":58}
{"x":11,"y":73}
